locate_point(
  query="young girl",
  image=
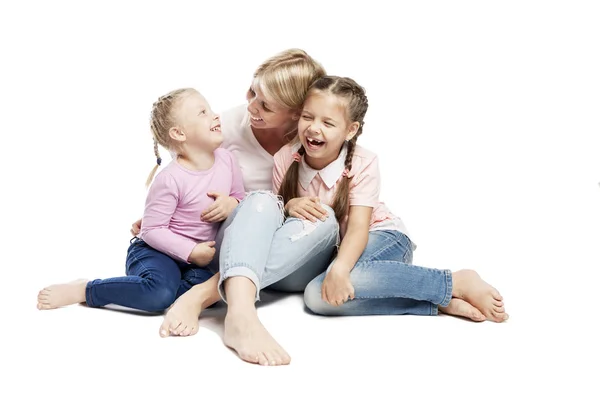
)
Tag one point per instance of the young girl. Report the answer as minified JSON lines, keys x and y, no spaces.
{"x":372,"y":273}
{"x":176,"y":239}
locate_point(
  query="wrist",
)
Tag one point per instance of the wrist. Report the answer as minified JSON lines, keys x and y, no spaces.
{"x":341,"y":269}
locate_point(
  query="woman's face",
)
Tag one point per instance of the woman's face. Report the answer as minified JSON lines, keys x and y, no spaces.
{"x":265,"y":113}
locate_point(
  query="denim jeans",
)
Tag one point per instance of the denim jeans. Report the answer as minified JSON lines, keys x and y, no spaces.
{"x":386,"y":283}
{"x":153,"y":282}
{"x":282,"y":254}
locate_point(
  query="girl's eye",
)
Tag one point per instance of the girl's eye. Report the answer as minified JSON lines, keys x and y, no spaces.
{"x":306,"y":118}
{"x":266,"y":108}
{"x":328,"y":124}
{"x":202,"y":112}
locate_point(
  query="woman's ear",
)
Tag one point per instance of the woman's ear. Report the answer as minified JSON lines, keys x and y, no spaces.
{"x":177,"y":134}
{"x":296,"y":115}
{"x":353,"y":129}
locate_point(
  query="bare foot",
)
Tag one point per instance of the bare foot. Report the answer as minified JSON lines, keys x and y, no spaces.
{"x":468,"y":286}
{"x":62,"y":295}
{"x":182,"y":316}
{"x":245,"y":334}
{"x":461,"y":308}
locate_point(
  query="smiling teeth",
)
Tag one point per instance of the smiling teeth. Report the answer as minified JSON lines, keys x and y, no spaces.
{"x":256,"y":119}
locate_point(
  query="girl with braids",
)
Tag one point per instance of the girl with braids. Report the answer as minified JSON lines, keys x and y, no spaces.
{"x":171,"y":252}
{"x":372,"y":272}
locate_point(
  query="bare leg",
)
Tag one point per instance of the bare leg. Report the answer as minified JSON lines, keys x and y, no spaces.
{"x":244,"y":332}
{"x":468,"y":286}
{"x":62,"y":295}
{"x":182,"y":316}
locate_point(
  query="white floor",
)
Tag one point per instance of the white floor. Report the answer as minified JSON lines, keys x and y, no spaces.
{"x":77,"y":352}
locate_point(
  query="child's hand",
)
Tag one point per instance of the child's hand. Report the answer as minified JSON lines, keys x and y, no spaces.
{"x":220,"y":209}
{"x":337,"y":288}
{"x":306,"y":208}
{"x":202,"y":254}
{"x":136,"y":227}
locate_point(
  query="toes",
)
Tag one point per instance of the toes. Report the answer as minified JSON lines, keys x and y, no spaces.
{"x":497,"y":317}
{"x":182,"y":327}
{"x":175,"y":324}
{"x":476,"y":315}
{"x":499,"y":310}
{"x":284,"y":358}
{"x":276,"y":359}
{"x":187,"y":331}
{"x":262,"y":359}
{"x":496,"y":295}
{"x":164,"y":328}
{"x":497,"y":303}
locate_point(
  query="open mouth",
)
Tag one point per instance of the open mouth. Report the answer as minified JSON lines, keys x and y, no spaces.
{"x":255,"y":119}
{"x":314,"y":143}
{"x":216,"y":128}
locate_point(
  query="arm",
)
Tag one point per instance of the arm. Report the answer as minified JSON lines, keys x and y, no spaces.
{"x":355,"y":240}
{"x":161,"y":203}
{"x":337,"y":287}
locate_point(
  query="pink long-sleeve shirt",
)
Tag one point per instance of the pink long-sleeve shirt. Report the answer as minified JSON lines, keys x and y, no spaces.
{"x":171,"y":223}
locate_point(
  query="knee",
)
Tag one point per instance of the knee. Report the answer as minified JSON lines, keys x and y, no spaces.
{"x":331,"y":223}
{"x":159,"y":299}
{"x":312,"y":298}
{"x":262,"y":201}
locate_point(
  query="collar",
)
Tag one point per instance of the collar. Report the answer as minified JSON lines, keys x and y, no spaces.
{"x":330,"y":174}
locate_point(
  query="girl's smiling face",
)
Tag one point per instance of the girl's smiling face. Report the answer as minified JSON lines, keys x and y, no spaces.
{"x":324,"y":127}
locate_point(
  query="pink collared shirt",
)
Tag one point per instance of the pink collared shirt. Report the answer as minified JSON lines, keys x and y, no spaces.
{"x":171,"y":223}
{"x":364,"y":188}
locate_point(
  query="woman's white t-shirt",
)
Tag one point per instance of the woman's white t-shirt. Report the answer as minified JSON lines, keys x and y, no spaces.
{"x":255,"y":162}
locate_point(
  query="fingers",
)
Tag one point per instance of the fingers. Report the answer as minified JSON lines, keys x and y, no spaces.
{"x":211,"y":243}
{"x":209,"y":210}
{"x":214,"y":195}
{"x":213,"y":215}
{"x":316,"y":212}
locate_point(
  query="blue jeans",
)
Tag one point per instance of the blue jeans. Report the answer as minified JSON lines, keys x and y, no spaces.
{"x":386,"y":283}
{"x":153,"y":282}
{"x":272,"y":252}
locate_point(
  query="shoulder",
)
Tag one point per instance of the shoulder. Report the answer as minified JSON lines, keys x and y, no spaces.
{"x":363,"y":160}
{"x":284,"y":155}
{"x":167,"y":177}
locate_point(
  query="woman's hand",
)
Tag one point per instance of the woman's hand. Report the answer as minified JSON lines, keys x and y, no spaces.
{"x":306,"y":208}
{"x":136,"y":227}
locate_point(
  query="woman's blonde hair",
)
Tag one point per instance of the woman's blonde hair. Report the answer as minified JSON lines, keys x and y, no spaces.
{"x":287,"y":76}
{"x":162,"y":119}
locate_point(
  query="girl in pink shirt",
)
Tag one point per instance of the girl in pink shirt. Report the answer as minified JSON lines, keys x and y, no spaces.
{"x":176,"y":241}
{"x":372,"y":272}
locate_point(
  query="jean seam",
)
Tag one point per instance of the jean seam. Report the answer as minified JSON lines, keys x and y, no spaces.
{"x":448,"y":295}
{"x":389,"y":242}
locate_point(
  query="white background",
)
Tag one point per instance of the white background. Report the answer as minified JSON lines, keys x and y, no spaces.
{"x":486,"y":119}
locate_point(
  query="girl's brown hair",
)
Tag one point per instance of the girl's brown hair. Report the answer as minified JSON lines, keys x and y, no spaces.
{"x":356,"y":107}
